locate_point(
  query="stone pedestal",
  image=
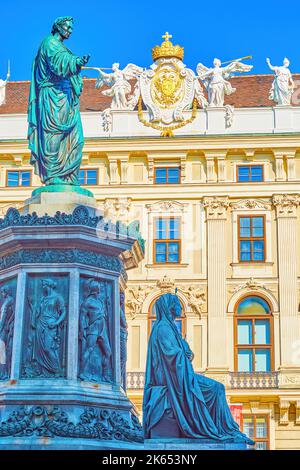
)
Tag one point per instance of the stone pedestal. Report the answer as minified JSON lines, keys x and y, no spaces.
{"x":60,"y":278}
{"x":192,"y":444}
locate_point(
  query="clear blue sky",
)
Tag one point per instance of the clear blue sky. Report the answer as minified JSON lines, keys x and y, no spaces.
{"x":125,"y":31}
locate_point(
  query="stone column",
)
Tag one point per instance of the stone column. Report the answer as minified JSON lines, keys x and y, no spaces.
{"x":286,"y":211}
{"x":216,"y":215}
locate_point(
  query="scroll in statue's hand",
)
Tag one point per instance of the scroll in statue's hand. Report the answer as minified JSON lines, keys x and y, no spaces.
{"x":84,"y":60}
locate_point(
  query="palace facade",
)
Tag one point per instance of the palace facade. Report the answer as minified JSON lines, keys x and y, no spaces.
{"x":219,"y":209}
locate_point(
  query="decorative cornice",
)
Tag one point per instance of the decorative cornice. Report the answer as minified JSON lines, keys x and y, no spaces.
{"x":251,"y":285}
{"x":251,"y":204}
{"x":166,"y":206}
{"x":166,"y":284}
{"x":286,"y":204}
{"x":216,"y":207}
{"x":80,"y":216}
{"x":66,"y":256}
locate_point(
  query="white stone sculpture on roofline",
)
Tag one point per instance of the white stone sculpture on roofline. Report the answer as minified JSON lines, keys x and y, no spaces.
{"x":215,"y":79}
{"x":119,"y":85}
{"x":283,"y":85}
{"x":3,"y":84}
{"x":167,"y":94}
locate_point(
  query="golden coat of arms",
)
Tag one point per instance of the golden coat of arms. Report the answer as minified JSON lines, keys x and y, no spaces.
{"x":168,"y":89}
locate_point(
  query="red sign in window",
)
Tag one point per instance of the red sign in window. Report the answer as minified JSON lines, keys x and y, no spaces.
{"x":237,"y":413}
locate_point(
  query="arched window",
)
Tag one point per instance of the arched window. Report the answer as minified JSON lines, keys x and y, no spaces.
{"x":180,"y":322}
{"x":253,"y":335}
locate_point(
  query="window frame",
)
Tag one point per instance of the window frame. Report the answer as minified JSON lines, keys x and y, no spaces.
{"x":253,"y":346}
{"x":152,"y":317}
{"x":167,"y":168}
{"x":19,"y":172}
{"x":251,"y":239}
{"x":250,"y":166}
{"x":92,"y":169}
{"x":167,"y":241}
{"x":255,"y":416}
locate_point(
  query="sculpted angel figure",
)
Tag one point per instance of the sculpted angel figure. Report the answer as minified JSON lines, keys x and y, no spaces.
{"x":196,"y":299}
{"x":3,"y":84}
{"x":135,"y":299}
{"x":283,"y":84}
{"x":118,"y":81}
{"x":215,"y":79}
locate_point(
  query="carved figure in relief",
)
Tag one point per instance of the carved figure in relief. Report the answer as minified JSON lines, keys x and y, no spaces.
{"x":196,"y":298}
{"x":49,"y":332}
{"x":95,"y":348}
{"x":7,"y":315}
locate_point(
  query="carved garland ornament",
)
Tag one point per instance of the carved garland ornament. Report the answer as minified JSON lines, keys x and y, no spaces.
{"x":166,"y":131}
{"x":54,"y":422}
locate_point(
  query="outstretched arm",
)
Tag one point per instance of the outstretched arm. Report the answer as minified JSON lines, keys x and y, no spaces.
{"x":270,"y":65}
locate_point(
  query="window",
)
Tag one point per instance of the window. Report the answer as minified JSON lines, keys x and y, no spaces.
{"x":253,"y":336}
{"x":167,"y":241}
{"x":18,"y":178}
{"x":167,"y":175}
{"x":250,"y":173}
{"x":251,"y":238}
{"x":88,"y":177}
{"x":180,"y":322}
{"x":256,"y":427}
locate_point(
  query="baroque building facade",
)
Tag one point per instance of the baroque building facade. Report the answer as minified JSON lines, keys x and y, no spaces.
{"x":219,"y":209}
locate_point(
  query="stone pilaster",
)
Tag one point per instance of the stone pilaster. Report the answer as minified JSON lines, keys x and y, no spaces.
{"x":216,"y":214}
{"x":210,"y":169}
{"x":290,"y":164}
{"x":286,"y":211}
{"x":279,"y":167}
{"x":221,"y":169}
{"x":124,"y":170}
{"x":150,"y":169}
{"x":113,"y":171}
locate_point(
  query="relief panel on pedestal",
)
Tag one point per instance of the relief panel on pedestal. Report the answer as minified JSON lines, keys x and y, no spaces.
{"x":7,"y":317}
{"x":45,"y":326}
{"x":96,"y":325}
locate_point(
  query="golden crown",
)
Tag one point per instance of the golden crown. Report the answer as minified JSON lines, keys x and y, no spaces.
{"x":166,"y":49}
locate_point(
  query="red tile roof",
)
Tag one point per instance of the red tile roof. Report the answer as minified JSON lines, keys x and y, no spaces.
{"x":251,"y":91}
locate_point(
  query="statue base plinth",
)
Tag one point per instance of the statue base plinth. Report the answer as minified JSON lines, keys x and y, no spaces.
{"x":62,"y":188}
{"x":52,"y":263}
{"x":193,"y":444}
{"x":45,"y":201}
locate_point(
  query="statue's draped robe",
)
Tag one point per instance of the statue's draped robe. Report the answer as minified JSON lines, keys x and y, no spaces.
{"x":6,"y":335}
{"x":281,"y":91}
{"x":55,"y":130}
{"x":47,"y":339}
{"x":197,"y":402}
